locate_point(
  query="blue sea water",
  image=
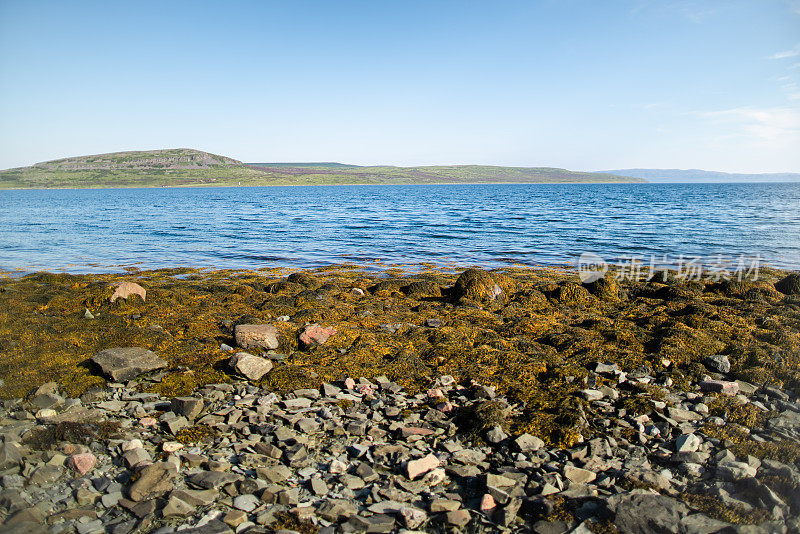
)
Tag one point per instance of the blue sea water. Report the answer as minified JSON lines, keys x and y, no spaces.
{"x":103,"y":230}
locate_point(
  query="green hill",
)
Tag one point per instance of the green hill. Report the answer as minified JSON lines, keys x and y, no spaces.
{"x":187,"y":167}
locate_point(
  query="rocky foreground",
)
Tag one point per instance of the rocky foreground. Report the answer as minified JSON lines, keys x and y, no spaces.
{"x":688,"y":422}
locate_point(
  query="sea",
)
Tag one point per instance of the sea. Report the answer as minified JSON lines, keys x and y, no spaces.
{"x":375,"y":227}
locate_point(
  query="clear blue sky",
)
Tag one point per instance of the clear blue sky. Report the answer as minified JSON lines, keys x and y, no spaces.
{"x":585,"y":85}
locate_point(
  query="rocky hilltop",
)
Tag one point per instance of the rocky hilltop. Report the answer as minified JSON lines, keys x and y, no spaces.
{"x":186,"y":167}
{"x":339,"y":401}
{"x":181,"y":158}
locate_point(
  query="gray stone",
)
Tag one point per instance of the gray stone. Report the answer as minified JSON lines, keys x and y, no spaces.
{"x":249,"y":366}
{"x":718,"y":363}
{"x":526,"y":443}
{"x":213,"y":479}
{"x":154,"y":480}
{"x":644,"y":513}
{"x":246,"y":503}
{"x":123,"y":364}
{"x":189,"y":407}
{"x":687,"y":443}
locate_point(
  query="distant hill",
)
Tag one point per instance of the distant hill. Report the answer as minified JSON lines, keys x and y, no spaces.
{"x":697,"y":175}
{"x":187,"y":167}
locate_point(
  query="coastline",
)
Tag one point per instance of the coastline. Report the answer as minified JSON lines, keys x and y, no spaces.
{"x":548,"y":369}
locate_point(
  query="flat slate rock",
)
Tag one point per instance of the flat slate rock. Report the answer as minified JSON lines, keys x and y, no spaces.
{"x":123,"y":364}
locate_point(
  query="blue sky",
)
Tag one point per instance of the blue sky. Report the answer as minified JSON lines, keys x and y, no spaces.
{"x":584,"y":85}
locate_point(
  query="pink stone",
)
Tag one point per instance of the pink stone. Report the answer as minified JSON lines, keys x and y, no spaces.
{"x":415,"y":468}
{"x":126,"y":289}
{"x":487,"y":503}
{"x":349,"y":383}
{"x":445,"y":407}
{"x":82,"y":463}
{"x":435,"y":393}
{"x":416,"y":431}
{"x":315,"y":334}
{"x":364,"y":389}
{"x":147,"y":421}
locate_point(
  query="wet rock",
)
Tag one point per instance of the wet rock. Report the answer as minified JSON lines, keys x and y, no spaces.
{"x":315,"y":334}
{"x":126,"y":289}
{"x":123,"y":364}
{"x":250,"y":366}
{"x":256,"y":336}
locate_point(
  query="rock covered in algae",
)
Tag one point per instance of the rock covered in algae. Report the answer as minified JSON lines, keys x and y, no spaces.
{"x":126,"y":363}
{"x":789,"y":285}
{"x":481,"y":286}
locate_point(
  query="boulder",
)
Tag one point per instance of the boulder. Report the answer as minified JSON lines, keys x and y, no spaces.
{"x":789,"y":285}
{"x":481,"y":286}
{"x":126,"y":363}
{"x":249,"y":366}
{"x":718,"y":363}
{"x":315,"y":334}
{"x":154,"y":480}
{"x":126,"y":289}
{"x":256,"y":336}
{"x":644,"y":513}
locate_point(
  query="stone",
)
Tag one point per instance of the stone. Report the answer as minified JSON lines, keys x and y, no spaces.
{"x":687,"y":443}
{"x":189,"y":407}
{"x":592,"y":394}
{"x":9,"y":455}
{"x":82,"y":463}
{"x":256,"y":336}
{"x":123,"y":364}
{"x":644,"y":513}
{"x":246,"y":503}
{"x":578,"y":475}
{"x":718,"y":363}
{"x":412,"y":517}
{"x":315,"y":334}
{"x":177,"y":507}
{"x":415,"y":468}
{"x":496,"y":434}
{"x":249,"y":366}
{"x":458,"y":518}
{"x":720,"y":386}
{"x":154,"y":480}
{"x":680,"y":415}
{"x":126,"y":289}
{"x":213,"y":479}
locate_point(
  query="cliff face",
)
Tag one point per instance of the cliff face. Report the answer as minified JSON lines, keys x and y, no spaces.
{"x":156,"y":159}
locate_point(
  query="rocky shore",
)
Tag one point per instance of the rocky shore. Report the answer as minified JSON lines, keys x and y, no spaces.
{"x":339,"y":401}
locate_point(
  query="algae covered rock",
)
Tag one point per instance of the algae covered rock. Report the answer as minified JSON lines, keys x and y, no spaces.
{"x":126,"y":363}
{"x":424,"y":288}
{"x":482,"y":286}
{"x":571,"y":293}
{"x":606,"y":288}
{"x":789,"y":285}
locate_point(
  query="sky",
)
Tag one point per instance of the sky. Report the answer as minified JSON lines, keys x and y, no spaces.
{"x":578,"y":84}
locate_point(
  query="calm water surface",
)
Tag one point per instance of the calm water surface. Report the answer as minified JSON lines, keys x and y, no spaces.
{"x":105,"y":230}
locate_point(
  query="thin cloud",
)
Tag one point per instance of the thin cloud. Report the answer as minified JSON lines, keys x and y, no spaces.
{"x":793,"y":52}
{"x":766,"y":124}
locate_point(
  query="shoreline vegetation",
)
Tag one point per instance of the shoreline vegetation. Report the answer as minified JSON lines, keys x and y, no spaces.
{"x":193,"y":168}
{"x":318,"y":400}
